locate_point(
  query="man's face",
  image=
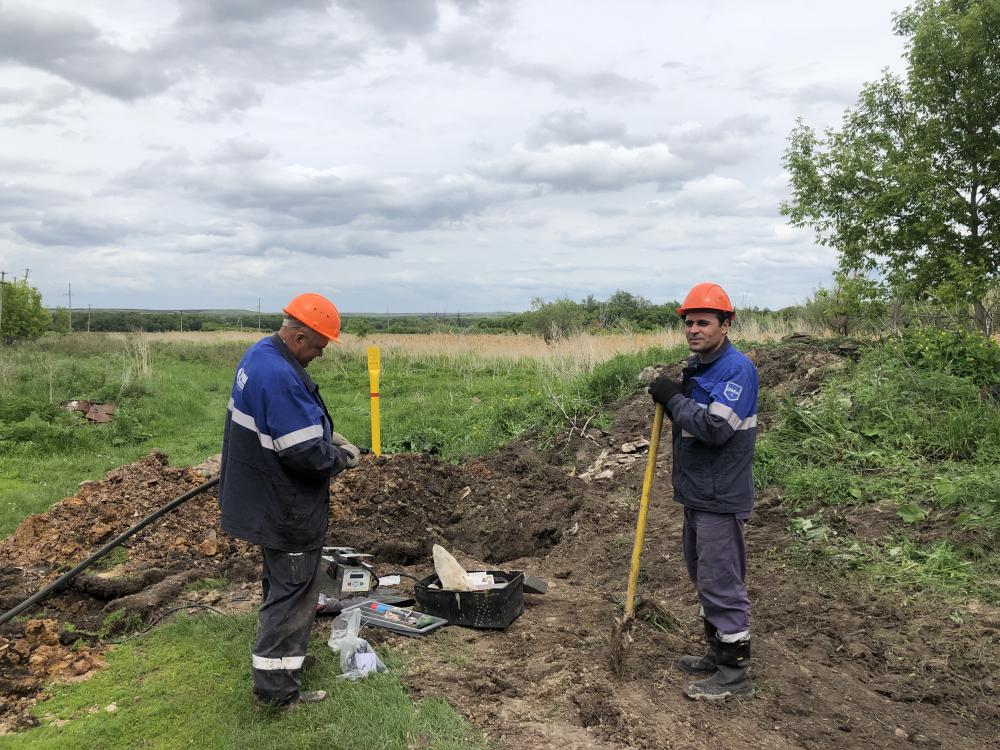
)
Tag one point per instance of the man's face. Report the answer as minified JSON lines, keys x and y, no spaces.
{"x":704,"y":332}
{"x":306,"y":345}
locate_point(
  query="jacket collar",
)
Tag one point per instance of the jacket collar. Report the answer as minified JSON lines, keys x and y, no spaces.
{"x":285,"y":352}
{"x":696,"y":360}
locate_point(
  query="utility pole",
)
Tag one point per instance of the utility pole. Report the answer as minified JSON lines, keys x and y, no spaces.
{"x":258,"y":315}
{"x":88,"y":318}
{"x":26,"y":270}
{"x":182,"y":320}
{"x":69,"y":294}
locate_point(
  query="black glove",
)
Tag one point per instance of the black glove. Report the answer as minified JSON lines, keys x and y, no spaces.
{"x":663,"y":389}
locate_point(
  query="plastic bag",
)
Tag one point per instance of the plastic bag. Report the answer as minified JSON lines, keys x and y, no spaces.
{"x":451,"y":574}
{"x":357,"y":659}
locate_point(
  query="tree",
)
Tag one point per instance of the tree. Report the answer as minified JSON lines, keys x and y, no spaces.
{"x":908,"y":190}
{"x":23,"y":315}
{"x":852,"y":304}
{"x":60,"y":322}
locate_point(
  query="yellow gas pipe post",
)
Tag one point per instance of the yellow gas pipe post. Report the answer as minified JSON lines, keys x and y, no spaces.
{"x":374,"y":368}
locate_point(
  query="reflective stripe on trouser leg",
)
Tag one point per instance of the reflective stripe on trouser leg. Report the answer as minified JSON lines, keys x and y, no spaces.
{"x":715,"y":555}
{"x":285,"y":620}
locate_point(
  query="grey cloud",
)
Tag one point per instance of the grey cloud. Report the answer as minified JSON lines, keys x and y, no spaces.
{"x":237,"y":150}
{"x":590,"y":167}
{"x":464,"y":47}
{"x":573,"y":84}
{"x":71,"y":47}
{"x":238,"y":40}
{"x":41,"y":106}
{"x":725,"y":142}
{"x":396,"y":19}
{"x":273,"y":196}
{"x":73,"y":231}
{"x":321,"y":243}
{"x":23,"y":202}
{"x":243,"y":11}
{"x":228,"y":102}
{"x":575,"y":126}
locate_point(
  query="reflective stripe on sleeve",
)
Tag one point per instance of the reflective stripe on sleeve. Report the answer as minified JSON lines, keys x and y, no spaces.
{"x":245,"y":420}
{"x":285,"y":662}
{"x":719,"y":409}
{"x":298,"y":436}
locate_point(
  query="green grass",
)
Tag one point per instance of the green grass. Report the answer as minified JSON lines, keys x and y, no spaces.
{"x":188,"y":686}
{"x":896,"y":428}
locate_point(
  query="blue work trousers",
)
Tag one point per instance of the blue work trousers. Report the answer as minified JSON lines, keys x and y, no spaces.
{"x":716,"y":558}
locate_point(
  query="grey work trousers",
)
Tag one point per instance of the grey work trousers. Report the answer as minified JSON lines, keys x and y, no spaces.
{"x":716,"y":558}
{"x":291,"y":589}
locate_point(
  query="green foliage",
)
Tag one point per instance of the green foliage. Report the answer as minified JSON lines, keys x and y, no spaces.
{"x":909,"y":187}
{"x":61,"y":320}
{"x":23,"y":314}
{"x":117,"y":556}
{"x":619,"y":376}
{"x":896,"y":564}
{"x":904,"y":426}
{"x":855,"y":303}
{"x":956,"y":352}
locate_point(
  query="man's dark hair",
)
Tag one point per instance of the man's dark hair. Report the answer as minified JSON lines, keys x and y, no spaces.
{"x":722,"y":316}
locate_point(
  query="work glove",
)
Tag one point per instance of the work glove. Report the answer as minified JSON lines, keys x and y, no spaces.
{"x":346,"y":445}
{"x":663,"y":389}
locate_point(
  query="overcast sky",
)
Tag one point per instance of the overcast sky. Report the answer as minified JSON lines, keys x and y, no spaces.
{"x":416,"y":155}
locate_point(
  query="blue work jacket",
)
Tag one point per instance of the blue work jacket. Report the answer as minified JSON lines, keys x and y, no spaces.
{"x":277,"y":457}
{"x":714,"y":431}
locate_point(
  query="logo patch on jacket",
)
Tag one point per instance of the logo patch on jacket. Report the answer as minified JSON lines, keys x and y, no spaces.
{"x":241,"y":378}
{"x":733,"y":391}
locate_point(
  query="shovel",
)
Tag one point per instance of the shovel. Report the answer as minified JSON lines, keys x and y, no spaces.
{"x":622,"y":636}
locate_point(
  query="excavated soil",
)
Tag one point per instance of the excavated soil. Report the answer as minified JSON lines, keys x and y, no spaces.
{"x":835,"y":665}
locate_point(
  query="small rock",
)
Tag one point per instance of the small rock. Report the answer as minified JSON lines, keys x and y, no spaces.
{"x":111,"y":708}
{"x":628,"y":447}
{"x":209,"y":547}
{"x":606,"y":474}
{"x":901,"y":734}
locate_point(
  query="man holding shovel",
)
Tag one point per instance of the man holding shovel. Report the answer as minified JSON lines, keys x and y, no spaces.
{"x":714,"y":414}
{"x":278,"y":454}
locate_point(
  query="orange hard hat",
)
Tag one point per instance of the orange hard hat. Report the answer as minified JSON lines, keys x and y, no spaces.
{"x":317,"y":312}
{"x":707,"y":296}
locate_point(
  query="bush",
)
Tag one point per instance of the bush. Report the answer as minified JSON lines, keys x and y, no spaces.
{"x":962,"y":353}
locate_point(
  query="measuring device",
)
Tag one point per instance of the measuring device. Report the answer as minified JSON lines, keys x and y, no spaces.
{"x":352,"y":572}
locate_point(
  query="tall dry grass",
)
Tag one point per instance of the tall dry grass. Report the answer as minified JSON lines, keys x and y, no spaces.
{"x":568,"y":355}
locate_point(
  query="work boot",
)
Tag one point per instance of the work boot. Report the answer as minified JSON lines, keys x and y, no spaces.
{"x":311,"y":696}
{"x":731,"y":677}
{"x":308,"y":696}
{"x":727,"y":682}
{"x":702,"y":664}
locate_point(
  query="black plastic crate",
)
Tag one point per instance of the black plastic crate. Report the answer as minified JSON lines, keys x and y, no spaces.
{"x":492,"y":608}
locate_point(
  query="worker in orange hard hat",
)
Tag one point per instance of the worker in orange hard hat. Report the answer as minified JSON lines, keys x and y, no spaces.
{"x":279,"y":452}
{"x":713,"y":409}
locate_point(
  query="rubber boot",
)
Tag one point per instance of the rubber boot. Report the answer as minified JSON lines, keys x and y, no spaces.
{"x":702,"y":664}
{"x":731,"y":677}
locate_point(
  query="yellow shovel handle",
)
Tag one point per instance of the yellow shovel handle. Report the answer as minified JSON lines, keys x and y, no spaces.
{"x":640,"y":527}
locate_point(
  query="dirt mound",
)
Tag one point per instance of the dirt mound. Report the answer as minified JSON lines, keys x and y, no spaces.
{"x":835,"y":665}
{"x":496,"y":509}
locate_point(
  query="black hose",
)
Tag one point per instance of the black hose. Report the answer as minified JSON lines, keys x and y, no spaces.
{"x":65,"y":577}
